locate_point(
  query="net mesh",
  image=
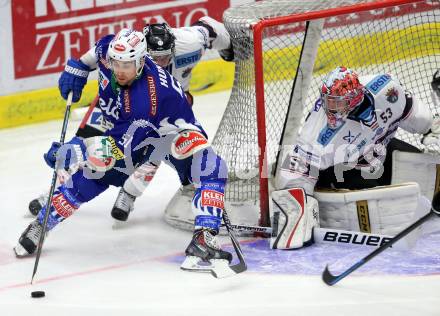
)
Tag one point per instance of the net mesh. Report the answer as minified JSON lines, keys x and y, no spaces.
{"x":402,"y":40}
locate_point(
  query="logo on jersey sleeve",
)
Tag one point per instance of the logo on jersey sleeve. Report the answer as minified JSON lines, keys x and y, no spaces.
{"x":392,"y":95}
{"x":187,"y":59}
{"x":378,"y":83}
{"x":187,"y":143}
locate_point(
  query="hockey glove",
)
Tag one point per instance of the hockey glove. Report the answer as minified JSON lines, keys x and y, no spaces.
{"x":68,"y":156}
{"x":95,"y":153}
{"x":73,"y":78}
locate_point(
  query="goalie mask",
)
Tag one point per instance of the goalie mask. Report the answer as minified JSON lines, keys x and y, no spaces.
{"x":160,"y":43}
{"x":341,"y":92}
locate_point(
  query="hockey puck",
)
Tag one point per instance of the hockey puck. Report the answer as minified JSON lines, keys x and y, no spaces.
{"x":36,"y":294}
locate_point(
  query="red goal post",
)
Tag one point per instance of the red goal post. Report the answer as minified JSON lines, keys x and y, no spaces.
{"x":283,"y":48}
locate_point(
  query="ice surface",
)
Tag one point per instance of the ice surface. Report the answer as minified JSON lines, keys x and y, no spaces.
{"x":87,"y":268}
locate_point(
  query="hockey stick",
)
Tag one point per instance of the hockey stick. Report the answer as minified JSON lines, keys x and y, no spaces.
{"x":331,"y":279}
{"x":241,"y":265}
{"x":253,"y":229}
{"x":328,"y":235}
{"x":52,"y":187}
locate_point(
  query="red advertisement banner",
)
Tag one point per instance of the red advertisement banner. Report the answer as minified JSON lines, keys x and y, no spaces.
{"x":48,"y":32}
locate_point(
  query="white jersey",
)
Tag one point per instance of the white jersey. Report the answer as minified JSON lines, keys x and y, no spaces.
{"x":360,"y":142}
{"x":191,"y":43}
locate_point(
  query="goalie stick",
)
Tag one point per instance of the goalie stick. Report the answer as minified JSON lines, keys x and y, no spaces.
{"x":52,"y":187}
{"x":241,"y":265}
{"x":322,"y":235}
{"x":331,"y":279}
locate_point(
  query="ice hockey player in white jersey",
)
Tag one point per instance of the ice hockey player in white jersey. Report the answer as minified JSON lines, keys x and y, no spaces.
{"x":178,"y":50}
{"x":345,"y":143}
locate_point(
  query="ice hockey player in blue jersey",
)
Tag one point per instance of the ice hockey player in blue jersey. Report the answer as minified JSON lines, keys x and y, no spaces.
{"x":150,"y":120}
{"x":178,"y":50}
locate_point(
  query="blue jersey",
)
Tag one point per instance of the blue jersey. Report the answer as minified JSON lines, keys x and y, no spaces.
{"x":149,"y":120}
{"x":153,"y":106}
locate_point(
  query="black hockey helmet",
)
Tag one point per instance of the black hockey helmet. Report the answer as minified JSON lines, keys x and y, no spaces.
{"x":160,"y":39}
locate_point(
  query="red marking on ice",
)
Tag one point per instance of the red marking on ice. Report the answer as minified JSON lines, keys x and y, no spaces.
{"x":96,"y":270}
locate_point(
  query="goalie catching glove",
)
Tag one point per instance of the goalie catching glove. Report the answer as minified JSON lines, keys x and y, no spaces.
{"x":96,"y":153}
{"x":294,"y":215}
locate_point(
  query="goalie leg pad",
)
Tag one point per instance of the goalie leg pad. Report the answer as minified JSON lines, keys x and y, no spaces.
{"x":294,"y":215}
{"x":382,"y":210}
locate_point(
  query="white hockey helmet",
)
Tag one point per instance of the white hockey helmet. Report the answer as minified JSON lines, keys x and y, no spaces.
{"x":341,"y":92}
{"x":128,"y":45}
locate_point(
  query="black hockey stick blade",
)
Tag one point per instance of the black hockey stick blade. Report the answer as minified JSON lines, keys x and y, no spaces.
{"x":241,"y":265}
{"x":331,"y":279}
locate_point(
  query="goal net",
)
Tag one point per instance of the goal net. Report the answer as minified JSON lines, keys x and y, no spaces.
{"x":283,"y":48}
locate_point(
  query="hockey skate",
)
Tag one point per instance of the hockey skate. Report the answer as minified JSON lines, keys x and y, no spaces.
{"x":37,"y":204}
{"x":124,"y":204}
{"x":205,"y":255}
{"x":27,"y":244}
